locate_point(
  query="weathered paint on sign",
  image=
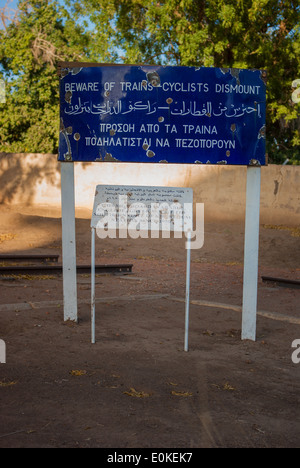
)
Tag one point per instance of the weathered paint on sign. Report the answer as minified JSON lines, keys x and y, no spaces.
{"x":162,"y":115}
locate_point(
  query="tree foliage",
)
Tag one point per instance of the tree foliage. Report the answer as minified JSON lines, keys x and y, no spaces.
{"x":30,"y":47}
{"x":262,"y":34}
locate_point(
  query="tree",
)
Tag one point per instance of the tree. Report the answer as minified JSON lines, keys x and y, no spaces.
{"x":30,"y":46}
{"x":262,"y":34}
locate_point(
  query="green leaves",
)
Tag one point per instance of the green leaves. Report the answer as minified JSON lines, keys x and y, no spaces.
{"x":262,"y":34}
{"x":30,"y":49}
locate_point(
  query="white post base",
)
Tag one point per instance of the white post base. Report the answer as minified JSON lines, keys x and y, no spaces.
{"x":251,"y":253}
{"x":69,"y":242}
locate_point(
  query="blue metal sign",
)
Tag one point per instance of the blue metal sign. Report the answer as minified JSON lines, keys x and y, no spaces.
{"x":162,"y":114}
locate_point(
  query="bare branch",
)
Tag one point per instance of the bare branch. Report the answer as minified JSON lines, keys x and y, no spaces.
{"x":44,"y":50}
{"x":7,"y":15}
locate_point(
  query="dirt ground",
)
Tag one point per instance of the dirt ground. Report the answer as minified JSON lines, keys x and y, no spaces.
{"x":136,"y":387}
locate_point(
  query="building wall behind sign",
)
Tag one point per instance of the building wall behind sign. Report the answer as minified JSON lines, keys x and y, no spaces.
{"x":32,"y":181}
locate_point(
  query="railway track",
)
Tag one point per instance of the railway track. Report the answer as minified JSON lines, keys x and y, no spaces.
{"x":288,"y":283}
{"x":28,"y":264}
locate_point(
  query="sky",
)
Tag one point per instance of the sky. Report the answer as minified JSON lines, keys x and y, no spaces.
{"x":10,"y":3}
{"x":14,"y":4}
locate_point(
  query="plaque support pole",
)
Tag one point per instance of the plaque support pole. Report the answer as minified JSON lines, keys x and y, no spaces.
{"x":68,"y":241}
{"x":251,"y":247}
{"x":187,"y":293}
{"x":93,"y":292}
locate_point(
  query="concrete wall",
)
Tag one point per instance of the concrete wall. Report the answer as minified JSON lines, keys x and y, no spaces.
{"x":32,"y":181}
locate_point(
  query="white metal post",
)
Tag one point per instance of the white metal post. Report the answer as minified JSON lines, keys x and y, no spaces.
{"x":68,"y":241}
{"x":251,"y":248}
{"x":187,"y":292}
{"x":93,"y":293}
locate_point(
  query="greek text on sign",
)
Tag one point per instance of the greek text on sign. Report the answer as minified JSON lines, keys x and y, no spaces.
{"x":162,"y":114}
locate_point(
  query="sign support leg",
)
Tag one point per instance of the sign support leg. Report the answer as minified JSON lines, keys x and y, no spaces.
{"x":187,"y":293}
{"x":69,"y":241}
{"x":251,"y":253}
{"x":93,"y":294}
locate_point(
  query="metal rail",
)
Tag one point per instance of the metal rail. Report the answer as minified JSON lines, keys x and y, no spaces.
{"x":283,"y":281}
{"x":57,"y":269}
{"x":19,"y":258}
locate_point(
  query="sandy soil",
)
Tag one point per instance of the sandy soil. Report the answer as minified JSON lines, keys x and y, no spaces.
{"x":136,"y":387}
